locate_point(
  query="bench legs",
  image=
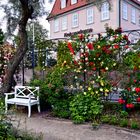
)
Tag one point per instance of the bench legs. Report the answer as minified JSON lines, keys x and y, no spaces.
{"x":6,"y":107}
{"x":38,"y":107}
{"x":29,"y":111}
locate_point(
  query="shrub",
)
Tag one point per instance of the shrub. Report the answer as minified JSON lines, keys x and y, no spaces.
{"x":124,"y":114}
{"x":85,"y":107}
{"x":42,"y":92}
{"x":105,"y":119}
{"x":123,"y":123}
{"x":8,"y":132}
{"x":113,"y":120}
{"x":134,"y":124}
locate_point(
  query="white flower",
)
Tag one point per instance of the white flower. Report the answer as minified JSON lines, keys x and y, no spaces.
{"x":82,"y":50}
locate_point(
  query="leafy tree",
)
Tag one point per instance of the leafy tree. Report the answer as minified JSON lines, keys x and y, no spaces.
{"x":20,"y":12}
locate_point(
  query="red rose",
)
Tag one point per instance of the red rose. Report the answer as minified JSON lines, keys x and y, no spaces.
{"x":126,"y":47}
{"x":138,"y":99}
{"x":91,"y":63}
{"x":70,"y":47}
{"x":128,"y":89}
{"x":125,"y":37}
{"x":131,"y":105}
{"x":94,"y":68}
{"x":137,"y":89}
{"x":135,"y":81}
{"x":121,"y":101}
{"x":75,"y":62}
{"x":81,"y":36}
{"x":116,"y":46}
{"x":127,"y":105}
{"x":90,"y":46}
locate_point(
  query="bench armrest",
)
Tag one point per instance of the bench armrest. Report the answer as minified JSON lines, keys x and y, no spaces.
{"x":12,"y":93}
{"x":6,"y":95}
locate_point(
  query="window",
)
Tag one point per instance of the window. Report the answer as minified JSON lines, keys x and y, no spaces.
{"x":56,"y":25}
{"x":89,"y":15}
{"x":63,"y":4}
{"x":75,"y":20}
{"x":133,"y":15}
{"x":105,"y":11}
{"x":124,"y":11}
{"x":64,"y":23}
{"x":73,"y":1}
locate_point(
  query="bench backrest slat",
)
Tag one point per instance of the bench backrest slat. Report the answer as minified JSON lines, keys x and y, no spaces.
{"x":26,"y":91}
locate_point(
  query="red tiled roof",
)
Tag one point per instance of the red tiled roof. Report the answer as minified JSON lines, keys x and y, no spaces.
{"x":56,"y":10}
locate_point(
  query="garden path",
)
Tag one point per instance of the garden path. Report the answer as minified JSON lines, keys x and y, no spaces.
{"x":57,"y":129}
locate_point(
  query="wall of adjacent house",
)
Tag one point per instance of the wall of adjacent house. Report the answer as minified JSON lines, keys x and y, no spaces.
{"x":98,"y":25}
{"x":127,"y":24}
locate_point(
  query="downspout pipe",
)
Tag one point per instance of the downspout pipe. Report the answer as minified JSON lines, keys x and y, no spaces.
{"x":119,"y":13}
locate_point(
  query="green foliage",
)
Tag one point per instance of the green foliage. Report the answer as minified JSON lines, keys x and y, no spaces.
{"x":85,"y":107}
{"x":134,"y":124}
{"x":123,"y":122}
{"x":8,"y":132}
{"x":124,"y":114}
{"x":42,"y":92}
{"x":105,"y":119}
{"x":132,"y":60}
{"x":113,"y":120}
{"x":55,"y":95}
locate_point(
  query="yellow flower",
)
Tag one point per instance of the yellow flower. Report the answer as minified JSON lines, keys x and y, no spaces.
{"x":106,"y":90}
{"x":106,"y":94}
{"x":114,"y":64}
{"x":71,"y":86}
{"x":106,"y":68}
{"x":89,"y":88}
{"x":101,"y":82}
{"x":85,"y":93}
{"x":96,"y":91}
{"x":101,"y":89}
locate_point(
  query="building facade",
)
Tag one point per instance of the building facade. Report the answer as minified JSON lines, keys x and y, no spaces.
{"x":69,"y":16}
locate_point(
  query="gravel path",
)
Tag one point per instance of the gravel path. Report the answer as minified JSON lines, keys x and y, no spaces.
{"x":56,"y":129}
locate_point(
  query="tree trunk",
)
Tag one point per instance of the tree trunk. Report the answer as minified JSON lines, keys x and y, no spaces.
{"x":21,"y":50}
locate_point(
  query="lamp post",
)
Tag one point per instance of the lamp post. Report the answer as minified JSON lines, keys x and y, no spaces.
{"x":33,"y":55}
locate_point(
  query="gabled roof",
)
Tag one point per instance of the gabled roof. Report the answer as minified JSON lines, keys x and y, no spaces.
{"x":56,"y":10}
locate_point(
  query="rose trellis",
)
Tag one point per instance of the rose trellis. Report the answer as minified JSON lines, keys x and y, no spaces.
{"x":94,"y":56}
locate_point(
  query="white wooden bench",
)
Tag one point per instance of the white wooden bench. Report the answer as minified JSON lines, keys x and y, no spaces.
{"x":25,"y":96}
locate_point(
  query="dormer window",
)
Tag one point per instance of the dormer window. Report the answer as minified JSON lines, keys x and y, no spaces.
{"x":63,"y":4}
{"x":73,"y":1}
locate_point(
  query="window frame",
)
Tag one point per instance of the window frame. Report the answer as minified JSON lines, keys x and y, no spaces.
{"x":73,"y":2}
{"x":56,"y":25}
{"x":63,"y":4}
{"x":133,"y":17}
{"x":88,"y":16}
{"x":105,"y":13}
{"x":64,"y":23}
{"x":125,"y":11}
{"x":77,"y":20}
